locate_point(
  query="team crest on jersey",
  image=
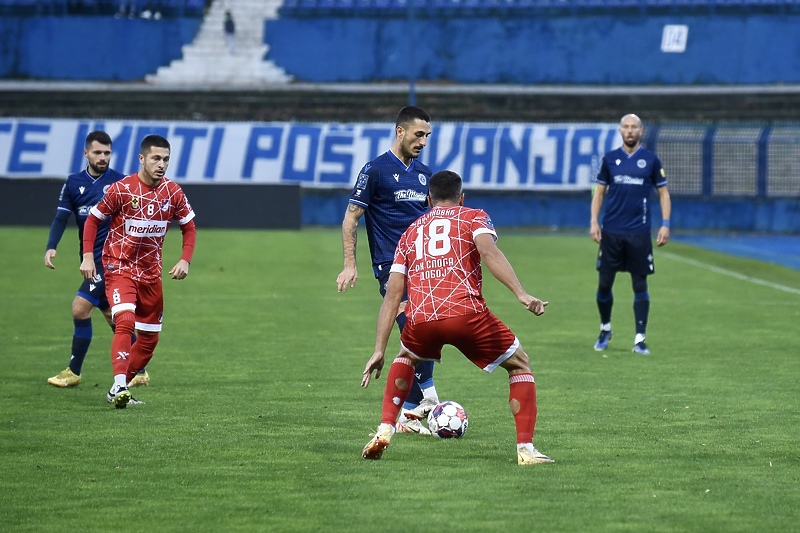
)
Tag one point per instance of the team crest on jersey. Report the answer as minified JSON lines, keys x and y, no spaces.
{"x":422,"y":179}
{"x":641,"y":163}
{"x":135,"y":202}
{"x":618,"y":162}
{"x":165,"y":205}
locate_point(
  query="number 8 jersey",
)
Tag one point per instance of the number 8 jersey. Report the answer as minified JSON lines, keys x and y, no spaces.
{"x":438,"y":256}
{"x":140,"y":216}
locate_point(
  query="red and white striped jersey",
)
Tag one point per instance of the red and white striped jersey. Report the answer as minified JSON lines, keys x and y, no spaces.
{"x":140,"y":216}
{"x":440,"y":260}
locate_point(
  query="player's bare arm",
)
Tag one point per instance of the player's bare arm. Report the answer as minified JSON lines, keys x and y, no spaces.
{"x":497,"y":263}
{"x":49,"y":255}
{"x":386,"y":317}
{"x":597,"y":203}
{"x":349,"y":274}
{"x":666,"y":211}
{"x":88,"y":270}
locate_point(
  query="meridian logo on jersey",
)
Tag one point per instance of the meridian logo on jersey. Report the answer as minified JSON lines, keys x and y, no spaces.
{"x":409,"y":195}
{"x":146,"y":228}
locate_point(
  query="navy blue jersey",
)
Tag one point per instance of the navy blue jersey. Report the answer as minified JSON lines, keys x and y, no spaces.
{"x":79,"y":194}
{"x":630,"y":180}
{"x":394,"y":196}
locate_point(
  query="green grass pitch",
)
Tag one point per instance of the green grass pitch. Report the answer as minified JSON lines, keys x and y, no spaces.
{"x":254,"y":420}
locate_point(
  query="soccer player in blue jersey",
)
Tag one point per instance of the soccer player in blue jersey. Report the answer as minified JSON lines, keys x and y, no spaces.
{"x":627,"y":178}
{"x":392,"y":191}
{"x":80,"y":192}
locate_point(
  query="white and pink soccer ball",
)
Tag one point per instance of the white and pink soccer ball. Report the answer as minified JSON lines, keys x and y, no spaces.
{"x":448,"y":420}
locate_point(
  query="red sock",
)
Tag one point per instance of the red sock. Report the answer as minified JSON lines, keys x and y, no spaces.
{"x":141,"y":353}
{"x":522,"y":400}
{"x":398,"y":386}
{"x":124,"y":326}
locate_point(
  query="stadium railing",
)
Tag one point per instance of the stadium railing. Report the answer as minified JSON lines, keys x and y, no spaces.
{"x":119,"y":8}
{"x":314,"y":8}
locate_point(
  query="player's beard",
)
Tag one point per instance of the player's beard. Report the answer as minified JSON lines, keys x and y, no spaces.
{"x":97,"y":170}
{"x":631,"y":143}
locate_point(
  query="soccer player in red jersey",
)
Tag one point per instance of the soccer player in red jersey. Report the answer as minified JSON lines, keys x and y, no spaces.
{"x":140,"y":207}
{"x":438,"y":261}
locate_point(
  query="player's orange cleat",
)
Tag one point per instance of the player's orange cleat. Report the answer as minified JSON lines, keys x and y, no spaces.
{"x":375,"y":447}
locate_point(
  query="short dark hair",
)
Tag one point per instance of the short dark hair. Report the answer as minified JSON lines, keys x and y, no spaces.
{"x":409,"y":113}
{"x":153,"y":141}
{"x":445,"y":185}
{"x":99,"y":136}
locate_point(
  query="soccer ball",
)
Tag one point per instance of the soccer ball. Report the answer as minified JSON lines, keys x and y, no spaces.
{"x":448,"y":420}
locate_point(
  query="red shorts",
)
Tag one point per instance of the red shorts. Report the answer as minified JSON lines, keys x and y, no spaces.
{"x":146,"y":300}
{"x":485,"y":340}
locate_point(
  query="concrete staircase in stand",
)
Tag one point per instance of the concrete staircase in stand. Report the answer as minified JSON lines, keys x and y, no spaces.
{"x":206,"y":62}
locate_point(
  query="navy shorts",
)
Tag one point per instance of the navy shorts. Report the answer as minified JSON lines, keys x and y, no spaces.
{"x":95,"y":291}
{"x":383,"y":279}
{"x":626,"y":252}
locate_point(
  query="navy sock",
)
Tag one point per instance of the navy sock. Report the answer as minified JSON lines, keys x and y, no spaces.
{"x":81,"y":339}
{"x":641,"y":310}
{"x":605,"y":303}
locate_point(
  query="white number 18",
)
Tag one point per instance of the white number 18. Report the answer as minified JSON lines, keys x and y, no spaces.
{"x":438,"y":238}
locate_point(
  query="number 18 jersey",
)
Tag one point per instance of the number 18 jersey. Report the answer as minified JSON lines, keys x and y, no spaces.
{"x":441,"y":262}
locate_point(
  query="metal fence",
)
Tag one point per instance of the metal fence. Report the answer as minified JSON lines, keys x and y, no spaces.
{"x":726,"y":160}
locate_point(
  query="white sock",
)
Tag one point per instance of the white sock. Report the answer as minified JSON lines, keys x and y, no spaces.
{"x":382,"y":426}
{"x":527,"y":445}
{"x":605,"y":327}
{"x":119,"y":380}
{"x":639,"y":338}
{"x":430,"y":393}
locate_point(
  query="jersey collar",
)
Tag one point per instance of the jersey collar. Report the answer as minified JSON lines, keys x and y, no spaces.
{"x":397,"y":160}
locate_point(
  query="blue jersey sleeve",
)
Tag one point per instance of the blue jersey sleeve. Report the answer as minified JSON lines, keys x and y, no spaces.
{"x":57,"y":229}
{"x":364,"y":188}
{"x":603,"y":175}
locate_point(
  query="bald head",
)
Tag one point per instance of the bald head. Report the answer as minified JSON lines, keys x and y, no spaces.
{"x":631,"y":131}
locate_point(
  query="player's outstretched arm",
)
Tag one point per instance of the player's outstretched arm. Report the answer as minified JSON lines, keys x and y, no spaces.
{"x":386,"y":317}
{"x":595,"y":231}
{"x":349,"y":274}
{"x":666,"y":210}
{"x":88,"y":269}
{"x":497,"y":263}
{"x":189,"y":238}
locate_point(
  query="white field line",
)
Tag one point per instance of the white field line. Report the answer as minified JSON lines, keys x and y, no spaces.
{"x":731,"y":273}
